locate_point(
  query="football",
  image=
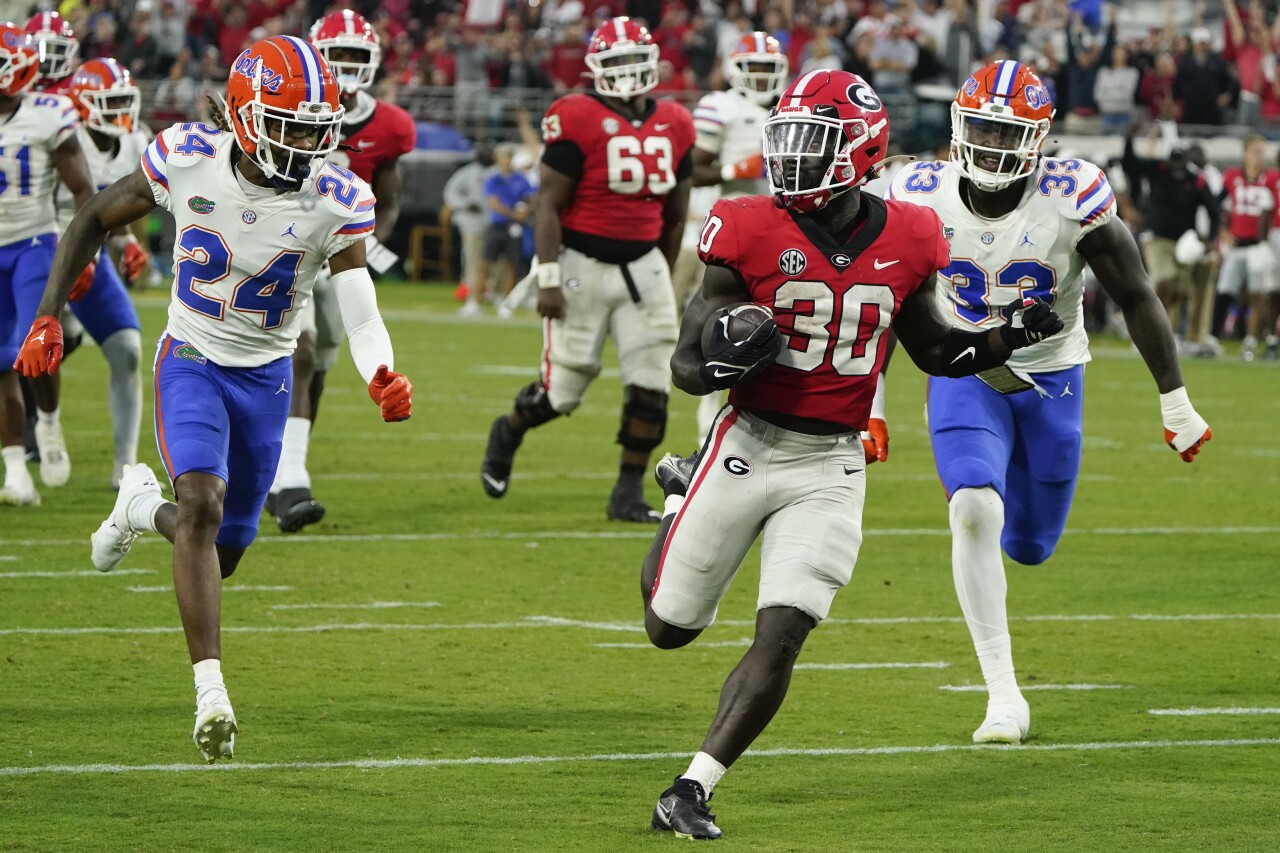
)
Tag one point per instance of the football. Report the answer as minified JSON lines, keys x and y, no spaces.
{"x":732,"y":325}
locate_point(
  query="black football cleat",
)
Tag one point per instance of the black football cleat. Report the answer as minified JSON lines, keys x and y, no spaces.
{"x":682,"y":809}
{"x":674,"y":473}
{"x":495,"y":471}
{"x":294,"y":509}
{"x":627,"y":503}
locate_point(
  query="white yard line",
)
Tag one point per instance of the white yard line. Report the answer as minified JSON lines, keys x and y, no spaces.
{"x":224,"y":588}
{"x":982,"y":688}
{"x":1209,"y":712}
{"x":645,"y":535}
{"x":526,"y":760}
{"x":370,"y":605}
{"x":8,"y":558}
{"x":75,"y":573}
{"x":935,"y":664}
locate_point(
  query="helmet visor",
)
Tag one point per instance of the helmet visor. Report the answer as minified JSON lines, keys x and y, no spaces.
{"x":802,"y":153}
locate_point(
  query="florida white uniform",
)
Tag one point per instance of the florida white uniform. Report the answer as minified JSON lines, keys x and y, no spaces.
{"x":246,"y":257}
{"x":1024,"y":445}
{"x":28,"y":138}
{"x":105,"y":167}
{"x":245,"y":262}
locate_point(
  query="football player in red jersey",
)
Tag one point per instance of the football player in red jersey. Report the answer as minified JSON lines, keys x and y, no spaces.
{"x":837,"y":268}
{"x":615,"y":180}
{"x":58,"y":49}
{"x":374,"y":135}
{"x":1249,"y":272}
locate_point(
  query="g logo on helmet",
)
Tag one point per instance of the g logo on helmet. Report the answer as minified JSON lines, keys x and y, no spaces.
{"x":1038,"y":96}
{"x":862,"y":95}
{"x":736,"y":466}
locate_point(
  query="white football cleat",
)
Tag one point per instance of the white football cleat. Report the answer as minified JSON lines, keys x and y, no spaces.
{"x":55,"y":464}
{"x":215,"y":731}
{"x":1008,"y":719}
{"x":115,"y":536}
{"x":21,"y":494}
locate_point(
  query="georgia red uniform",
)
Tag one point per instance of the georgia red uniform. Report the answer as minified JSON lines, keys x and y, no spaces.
{"x":1249,"y":202}
{"x":624,"y":170}
{"x":385,"y":135}
{"x":832,"y":302}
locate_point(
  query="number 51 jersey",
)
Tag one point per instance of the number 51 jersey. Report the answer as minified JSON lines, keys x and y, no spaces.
{"x":246,"y":257}
{"x":1029,"y":252}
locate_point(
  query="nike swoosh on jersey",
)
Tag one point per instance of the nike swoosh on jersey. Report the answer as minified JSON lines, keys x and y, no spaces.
{"x":366,"y":143}
{"x":876,"y":263}
{"x":661,"y":126}
{"x":968,"y":351}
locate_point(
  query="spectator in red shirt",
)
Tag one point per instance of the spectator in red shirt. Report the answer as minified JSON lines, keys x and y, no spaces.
{"x":1249,"y":44}
{"x":670,"y":37}
{"x":566,"y":63}
{"x":1156,"y":88}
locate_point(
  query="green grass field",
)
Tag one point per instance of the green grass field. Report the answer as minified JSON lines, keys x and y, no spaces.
{"x":510,"y":703}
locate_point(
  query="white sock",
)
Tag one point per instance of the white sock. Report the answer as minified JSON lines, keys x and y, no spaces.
{"x":208,"y":674}
{"x":15,"y":466}
{"x":122,"y":351}
{"x":43,"y":417}
{"x":705,"y":770}
{"x":977,"y":519}
{"x":292,"y":471}
{"x":142,"y":510}
{"x":672,"y":505}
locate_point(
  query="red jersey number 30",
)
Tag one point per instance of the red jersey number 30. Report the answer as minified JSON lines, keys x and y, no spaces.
{"x":635,"y":165}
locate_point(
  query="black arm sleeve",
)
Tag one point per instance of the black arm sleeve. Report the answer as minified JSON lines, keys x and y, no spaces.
{"x":967,"y":353}
{"x":565,"y":157}
{"x":685,"y":169}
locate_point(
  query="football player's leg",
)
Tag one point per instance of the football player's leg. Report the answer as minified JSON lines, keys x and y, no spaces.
{"x":31,"y":272}
{"x":1044,"y":466}
{"x":18,"y":487}
{"x":702,"y":540}
{"x":644,"y":330}
{"x":972,"y":431}
{"x":569,"y":362}
{"x":107,"y":314}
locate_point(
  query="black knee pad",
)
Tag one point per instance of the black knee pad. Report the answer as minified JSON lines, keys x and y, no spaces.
{"x":533,"y":405}
{"x":649,"y":407}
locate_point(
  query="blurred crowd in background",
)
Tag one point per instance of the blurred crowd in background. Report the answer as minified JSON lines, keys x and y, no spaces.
{"x":1202,"y":64}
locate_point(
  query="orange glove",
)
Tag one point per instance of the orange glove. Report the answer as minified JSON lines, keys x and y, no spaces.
{"x":81,"y":287}
{"x":133,"y":261}
{"x":875,"y":441}
{"x":1188,"y":453}
{"x":41,"y":352}
{"x":392,"y":392}
{"x":743,"y":170}
{"x":1184,"y":430}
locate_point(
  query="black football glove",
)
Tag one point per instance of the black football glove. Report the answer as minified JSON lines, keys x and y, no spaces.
{"x":733,"y":362}
{"x":1038,"y":322}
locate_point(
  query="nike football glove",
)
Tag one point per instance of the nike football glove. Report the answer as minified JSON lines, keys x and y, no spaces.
{"x":41,"y":352}
{"x":743,"y":359}
{"x":1029,"y":322}
{"x":83,"y":282}
{"x":133,"y":260}
{"x":1184,"y":430}
{"x":393,"y":393}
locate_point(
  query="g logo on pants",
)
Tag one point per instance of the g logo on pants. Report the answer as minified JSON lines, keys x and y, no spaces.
{"x":737,"y":467}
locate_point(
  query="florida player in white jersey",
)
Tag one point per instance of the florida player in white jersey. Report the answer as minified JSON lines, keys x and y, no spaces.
{"x":372,"y":138}
{"x":38,"y":146}
{"x":1007,"y":443}
{"x":258,"y":212}
{"x":108,"y":104}
{"x":830,"y":269}
{"x":614,"y":191}
{"x":726,"y":153}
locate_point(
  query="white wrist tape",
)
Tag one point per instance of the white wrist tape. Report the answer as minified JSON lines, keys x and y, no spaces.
{"x":877,"y":402}
{"x":548,"y":274}
{"x":1181,"y":419}
{"x":728,"y":173}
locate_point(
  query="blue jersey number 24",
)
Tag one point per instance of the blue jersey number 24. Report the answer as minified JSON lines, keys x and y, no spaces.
{"x":208,"y":260}
{"x":971,"y":286}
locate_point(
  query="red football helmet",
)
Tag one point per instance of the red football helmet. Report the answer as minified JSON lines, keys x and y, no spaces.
{"x":55,"y":43}
{"x":282,"y":104}
{"x":105,"y":97}
{"x":341,"y":37}
{"x":999,"y":120}
{"x":623,"y":59}
{"x":828,"y":134}
{"x":757,"y":69}
{"x":18,"y":64}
